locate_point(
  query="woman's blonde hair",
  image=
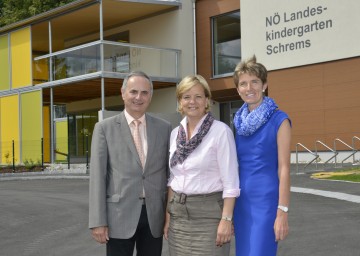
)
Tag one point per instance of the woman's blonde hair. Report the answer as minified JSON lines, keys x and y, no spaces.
{"x":186,"y":84}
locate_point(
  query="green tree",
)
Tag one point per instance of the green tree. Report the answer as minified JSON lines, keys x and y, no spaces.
{"x":15,"y":10}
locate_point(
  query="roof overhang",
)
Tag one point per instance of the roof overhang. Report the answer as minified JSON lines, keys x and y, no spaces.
{"x":115,"y":12}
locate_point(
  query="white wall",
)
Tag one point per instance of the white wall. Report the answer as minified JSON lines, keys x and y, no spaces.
{"x":163,"y":101}
{"x":284,"y":33}
{"x":169,"y":30}
{"x":173,"y":30}
{"x":163,"y":104}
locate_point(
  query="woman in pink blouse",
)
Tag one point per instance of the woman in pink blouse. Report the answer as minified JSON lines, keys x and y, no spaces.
{"x":204,"y":179}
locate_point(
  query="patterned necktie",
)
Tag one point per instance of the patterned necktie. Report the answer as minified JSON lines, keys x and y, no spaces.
{"x":137,"y":141}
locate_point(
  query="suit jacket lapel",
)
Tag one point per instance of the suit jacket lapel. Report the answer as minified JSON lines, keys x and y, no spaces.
{"x":151,"y":138}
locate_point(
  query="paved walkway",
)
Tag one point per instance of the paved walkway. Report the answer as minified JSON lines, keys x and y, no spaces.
{"x":324,"y":216}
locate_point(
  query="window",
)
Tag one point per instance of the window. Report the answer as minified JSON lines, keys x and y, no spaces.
{"x":228,"y":110}
{"x":120,"y":59}
{"x":59,"y":111}
{"x":226,"y":41}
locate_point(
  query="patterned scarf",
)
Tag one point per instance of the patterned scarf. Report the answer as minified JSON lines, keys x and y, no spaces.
{"x":183,"y":148}
{"x":247,"y":123}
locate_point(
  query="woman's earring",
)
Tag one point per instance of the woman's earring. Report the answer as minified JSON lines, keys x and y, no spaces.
{"x":264,"y":90}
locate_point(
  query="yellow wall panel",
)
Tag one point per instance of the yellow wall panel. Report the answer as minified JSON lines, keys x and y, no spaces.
{"x":4,"y":63}
{"x":9,"y":122}
{"x":61,"y":128}
{"x":20,"y":42}
{"x":46,"y":133}
{"x":1,"y":142}
{"x":31,"y":126}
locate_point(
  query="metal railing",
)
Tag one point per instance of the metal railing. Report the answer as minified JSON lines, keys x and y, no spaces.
{"x":308,"y":150}
{"x":354,"y":149}
{"x":27,"y":154}
{"x":332,"y":150}
{"x":347,"y":145}
{"x":28,"y":157}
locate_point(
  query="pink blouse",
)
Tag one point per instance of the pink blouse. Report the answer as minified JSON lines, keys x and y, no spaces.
{"x":211,"y":167}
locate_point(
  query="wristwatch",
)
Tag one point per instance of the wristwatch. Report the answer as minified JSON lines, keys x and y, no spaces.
{"x":283,"y":208}
{"x":227,"y":218}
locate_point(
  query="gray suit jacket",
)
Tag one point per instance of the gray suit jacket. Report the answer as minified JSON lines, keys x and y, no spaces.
{"x":117,"y":178}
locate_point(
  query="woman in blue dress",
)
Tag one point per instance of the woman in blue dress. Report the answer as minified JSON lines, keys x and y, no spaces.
{"x":263,"y":134}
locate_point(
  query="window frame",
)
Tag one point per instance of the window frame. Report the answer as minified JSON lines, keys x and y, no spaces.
{"x":214,"y":53}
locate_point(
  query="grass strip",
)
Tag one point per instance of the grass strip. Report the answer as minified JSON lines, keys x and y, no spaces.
{"x":352,"y":175}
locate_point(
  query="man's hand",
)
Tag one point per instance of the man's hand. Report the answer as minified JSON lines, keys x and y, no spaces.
{"x":100,"y":234}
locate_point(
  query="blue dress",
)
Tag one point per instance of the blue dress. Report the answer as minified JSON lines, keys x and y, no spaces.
{"x":255,"y":209}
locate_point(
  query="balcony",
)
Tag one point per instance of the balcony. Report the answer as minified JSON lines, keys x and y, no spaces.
{"x":76,"y":57}
{"x":118,"y":60}
{"x":83,"y":66}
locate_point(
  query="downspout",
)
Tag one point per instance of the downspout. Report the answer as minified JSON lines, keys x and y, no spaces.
{"x":102,"y":56}
{"x":51,"y":76}
{"x":194,"y":35}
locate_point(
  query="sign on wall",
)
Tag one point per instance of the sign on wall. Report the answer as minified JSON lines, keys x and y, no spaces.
{"x":284,"y":33}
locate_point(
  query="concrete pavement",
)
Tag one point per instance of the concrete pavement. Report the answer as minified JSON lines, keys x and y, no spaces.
{"x":47,"y":215}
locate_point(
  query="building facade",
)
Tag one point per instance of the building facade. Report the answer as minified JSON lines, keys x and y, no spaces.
{"x":312,"y":54}
{"x":62,"y":70}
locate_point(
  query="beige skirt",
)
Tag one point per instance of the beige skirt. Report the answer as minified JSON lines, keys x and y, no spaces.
{"x":193,"y":225}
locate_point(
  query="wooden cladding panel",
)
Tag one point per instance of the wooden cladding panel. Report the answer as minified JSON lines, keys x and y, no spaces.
{"x":322,"y":100}
{"x":342,"y":121}
{"x":293,"y":100}
{"x":307,"y":122}
{"x":342,"y":71}
{"x":342,"y":95}
{"x":300,"y":77}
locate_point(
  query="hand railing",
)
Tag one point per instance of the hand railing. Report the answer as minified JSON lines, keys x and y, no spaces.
{"x":353,"y":150}
{"x":332,"y":150}
{"x":308,"y":150}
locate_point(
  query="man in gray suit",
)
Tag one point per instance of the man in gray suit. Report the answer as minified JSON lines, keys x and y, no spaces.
{"x":127,"y":197}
